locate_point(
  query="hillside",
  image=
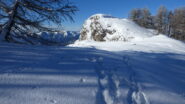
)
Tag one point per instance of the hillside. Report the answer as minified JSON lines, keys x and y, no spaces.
{"x":102,"y":27}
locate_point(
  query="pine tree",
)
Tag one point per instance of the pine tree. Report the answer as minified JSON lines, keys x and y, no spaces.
{"x":22,"y":17}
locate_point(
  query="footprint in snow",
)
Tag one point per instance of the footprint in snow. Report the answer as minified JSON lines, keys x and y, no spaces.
{"x":35,"y":87}
{"x":53,"y":101}
{"x":82,"y":80}
{"x":92,"y":59}
{"x":100,"y":58}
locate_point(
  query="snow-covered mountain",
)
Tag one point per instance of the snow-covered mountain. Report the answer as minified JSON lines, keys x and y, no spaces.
{"x":48,"y":38}
{"x":66,"y":37}
{"x":100,"y":27}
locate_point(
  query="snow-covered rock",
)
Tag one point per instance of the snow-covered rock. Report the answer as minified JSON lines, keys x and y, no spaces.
{"x":102,"y":27}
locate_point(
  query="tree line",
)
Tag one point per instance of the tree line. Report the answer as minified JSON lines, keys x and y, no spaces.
{"x":170,"y":23}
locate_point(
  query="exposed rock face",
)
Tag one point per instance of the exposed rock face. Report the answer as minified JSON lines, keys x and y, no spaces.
{"x":96,"y":30}
{"x":102,"y":27}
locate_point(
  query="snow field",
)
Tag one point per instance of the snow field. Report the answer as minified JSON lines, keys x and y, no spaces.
{"x":147,"y":69}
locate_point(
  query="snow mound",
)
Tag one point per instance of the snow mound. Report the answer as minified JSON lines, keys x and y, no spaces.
{"x":102,"y":27}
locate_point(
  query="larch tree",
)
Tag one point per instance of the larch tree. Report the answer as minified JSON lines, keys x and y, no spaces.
{"x":162,"y":20}
{"x":142,"y":17}
{"x":135,"y":15}
{"x":23,"y":17}
{"x":178,"y":23}
{"x":170,"y":20}
{"x":146,"y":18}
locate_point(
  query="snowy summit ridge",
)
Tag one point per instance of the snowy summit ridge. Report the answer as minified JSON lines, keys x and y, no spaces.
{"x":101,"y":27}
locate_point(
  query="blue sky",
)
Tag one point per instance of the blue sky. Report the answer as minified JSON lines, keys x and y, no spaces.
{"x":117,"y":8}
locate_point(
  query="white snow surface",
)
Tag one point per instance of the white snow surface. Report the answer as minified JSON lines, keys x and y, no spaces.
{"x":147,"y":70}
{"x":124,"y":29}
{"x":154,"y":44}
{"x":140,"y":72}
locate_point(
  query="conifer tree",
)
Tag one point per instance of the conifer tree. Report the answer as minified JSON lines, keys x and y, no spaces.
{"x":22,"y":17}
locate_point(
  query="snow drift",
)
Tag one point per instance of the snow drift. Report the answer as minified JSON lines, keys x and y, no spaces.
{"x":102,"y":27}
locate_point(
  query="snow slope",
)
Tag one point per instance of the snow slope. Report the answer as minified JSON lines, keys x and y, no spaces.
{"x":154,"y":44}
{"x":46,"y":75}
{"x":114,"y":29}
{"x":144,"y":70}
{"x":140,"y":72}
{"x":152,"y":69}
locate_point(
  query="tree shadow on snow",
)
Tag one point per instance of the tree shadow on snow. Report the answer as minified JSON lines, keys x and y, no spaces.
{"x":32,"y":67}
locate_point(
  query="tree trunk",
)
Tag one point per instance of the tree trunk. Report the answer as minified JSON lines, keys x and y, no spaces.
{"x":6,"y":30}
